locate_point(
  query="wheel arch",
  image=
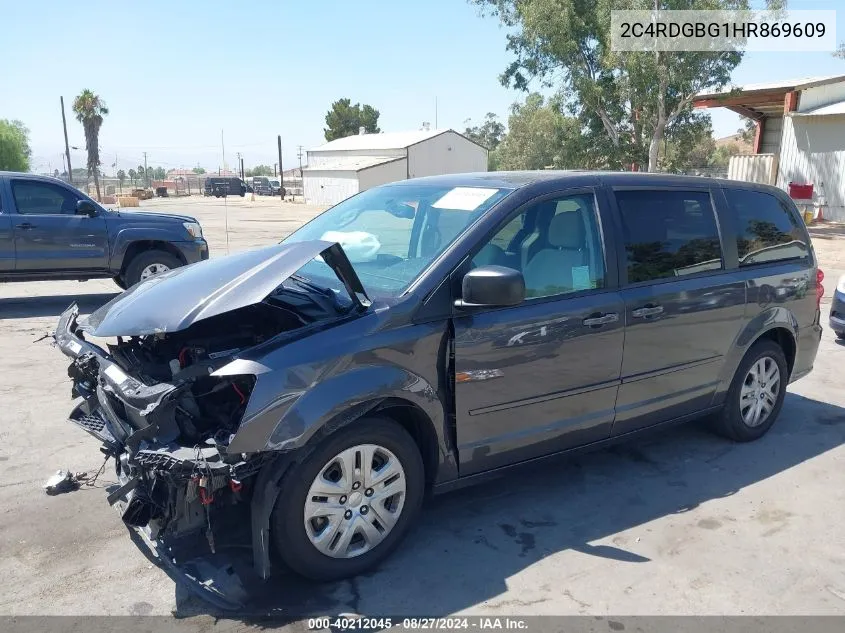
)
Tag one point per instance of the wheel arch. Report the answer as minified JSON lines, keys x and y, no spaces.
{"x":776,"y":324}
{"x":136,"y":247}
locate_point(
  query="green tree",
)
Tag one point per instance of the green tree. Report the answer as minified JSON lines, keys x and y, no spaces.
{"x":90,"y":110}
{"x":625,"y":101}
{"x":159,"y":173}
{"x":344,"y":119}
{"x":14,"y":146}
{"x":198,"y":170}
{"x":539,"y":136}
{"x":489,"y":134}
{"x":132,"y":176}
{"x":141,"y":173}
{"x":689,"y":144}
{"x":259,"y":170}
{"x":748,"y":130}
{"x":121,"y":177}
{"x":722,"y":154}
{"x":151,"y":174}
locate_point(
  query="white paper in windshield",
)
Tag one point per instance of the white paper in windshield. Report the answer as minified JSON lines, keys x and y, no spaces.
{"x":464,"y":198}
{"x":581,"y":278}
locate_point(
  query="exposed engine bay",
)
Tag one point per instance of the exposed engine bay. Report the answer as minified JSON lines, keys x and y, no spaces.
{"x":167,"y":421}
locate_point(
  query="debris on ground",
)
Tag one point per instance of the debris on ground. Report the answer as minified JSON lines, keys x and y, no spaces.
{"x":62,"y":481}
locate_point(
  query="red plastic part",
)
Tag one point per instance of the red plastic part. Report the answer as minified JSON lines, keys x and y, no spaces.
{"x":205,"y":497}
{"x":800,"y":192}
{"x":819,"y":286}
{"x":235,"y":485}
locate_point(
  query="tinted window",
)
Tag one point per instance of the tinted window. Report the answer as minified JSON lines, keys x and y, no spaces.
{"x":668,"y":233}
{"x":554,"y":243}
{"x":766,"y":229}
{"x":32,"y":197}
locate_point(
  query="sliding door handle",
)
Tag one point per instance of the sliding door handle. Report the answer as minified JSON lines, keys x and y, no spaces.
{"x":648,"y":311}
{"x":601,"y":319}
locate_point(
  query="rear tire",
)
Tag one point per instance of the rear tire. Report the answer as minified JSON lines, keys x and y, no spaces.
{"x":120,"y":281}
{"x":754,"y":400}
{"x":298,"y":529}
{"x":143,"y":263}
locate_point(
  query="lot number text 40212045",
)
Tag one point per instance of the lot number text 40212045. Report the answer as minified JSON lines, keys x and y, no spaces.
{"x":434,"y":624}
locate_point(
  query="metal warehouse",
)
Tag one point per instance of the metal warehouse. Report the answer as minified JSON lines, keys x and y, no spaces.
{"x":799,"y":139}
{"x":343,"y":167}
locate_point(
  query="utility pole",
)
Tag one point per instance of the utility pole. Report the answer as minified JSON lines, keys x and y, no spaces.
{"x":281,"y":169}
{"x":301,"y":179}
{"x":223,"y":145}
{"x":240,"y":166}
{"x":67,"y":147}
{"x":146,"y":173}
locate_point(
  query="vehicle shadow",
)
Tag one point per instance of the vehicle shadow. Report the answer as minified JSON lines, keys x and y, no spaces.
{"x":469,"y":543}
{"x":51,"y":305}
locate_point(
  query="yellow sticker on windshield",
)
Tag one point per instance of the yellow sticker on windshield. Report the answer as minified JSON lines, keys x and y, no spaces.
{"x":464,"y":198}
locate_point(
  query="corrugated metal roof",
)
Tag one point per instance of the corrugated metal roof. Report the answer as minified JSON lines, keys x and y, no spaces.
{"x":351,"y":163}
{"x":831,"y":108}
{"x":386,"y":140}
{"x":785,"y":84}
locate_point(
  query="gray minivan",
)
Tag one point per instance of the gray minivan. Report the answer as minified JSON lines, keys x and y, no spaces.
{"x":431,"y":333}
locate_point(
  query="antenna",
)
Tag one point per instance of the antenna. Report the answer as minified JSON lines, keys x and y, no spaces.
{"x":225,"y":201}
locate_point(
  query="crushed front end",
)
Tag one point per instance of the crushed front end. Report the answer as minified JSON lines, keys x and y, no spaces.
{"x":167,"y":426}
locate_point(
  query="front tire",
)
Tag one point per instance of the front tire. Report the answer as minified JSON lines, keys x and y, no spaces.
{"x":350,"y":502}
{"x":149,"y":263}
{"x":756,"y":393}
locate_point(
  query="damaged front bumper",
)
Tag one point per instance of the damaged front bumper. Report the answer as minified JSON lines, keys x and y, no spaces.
{"x":173,"y":496}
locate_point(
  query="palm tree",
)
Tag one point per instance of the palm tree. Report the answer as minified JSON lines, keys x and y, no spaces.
{"x":132,"y":176}
{"x":90,"y":110}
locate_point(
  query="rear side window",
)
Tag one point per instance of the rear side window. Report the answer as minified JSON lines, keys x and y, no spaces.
{"x":767,"y":230}
{"x":668,"y":233}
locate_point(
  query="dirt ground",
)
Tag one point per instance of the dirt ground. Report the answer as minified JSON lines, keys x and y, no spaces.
{"x":681,"y":523}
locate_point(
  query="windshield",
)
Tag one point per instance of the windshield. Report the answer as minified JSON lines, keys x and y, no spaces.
{"x":392,"y":233}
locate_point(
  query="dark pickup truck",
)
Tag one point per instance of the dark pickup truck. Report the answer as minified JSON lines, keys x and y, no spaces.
{"x":50,"y":230}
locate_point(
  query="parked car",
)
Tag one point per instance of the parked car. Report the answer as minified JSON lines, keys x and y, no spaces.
{"x":161,"y":192}
{"x":50,"y":230}
{"x":221,"y":186}
{"x":142,"y":194}
{"x":261,"y":186}
{"x":276,"y":188}
{"x":433,"y":333}
{"x":837,"y":309}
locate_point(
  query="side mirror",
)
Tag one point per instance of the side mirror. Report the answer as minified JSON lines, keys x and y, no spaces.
{"x":86,"y":207}
{"x":493,"y":286}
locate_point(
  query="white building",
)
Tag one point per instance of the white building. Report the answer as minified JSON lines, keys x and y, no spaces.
{"x":800,"y":136}
{"x":346,"y":166}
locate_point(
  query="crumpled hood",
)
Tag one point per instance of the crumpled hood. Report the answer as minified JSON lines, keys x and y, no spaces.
{"x":177,"y":299}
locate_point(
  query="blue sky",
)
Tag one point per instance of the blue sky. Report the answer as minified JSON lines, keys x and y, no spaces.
{"x":175,"y":73}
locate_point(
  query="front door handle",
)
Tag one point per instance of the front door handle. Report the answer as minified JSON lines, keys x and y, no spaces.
{"x":25,"y":226}
{"x":648,"y":311}
{"x":602,"y":319}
